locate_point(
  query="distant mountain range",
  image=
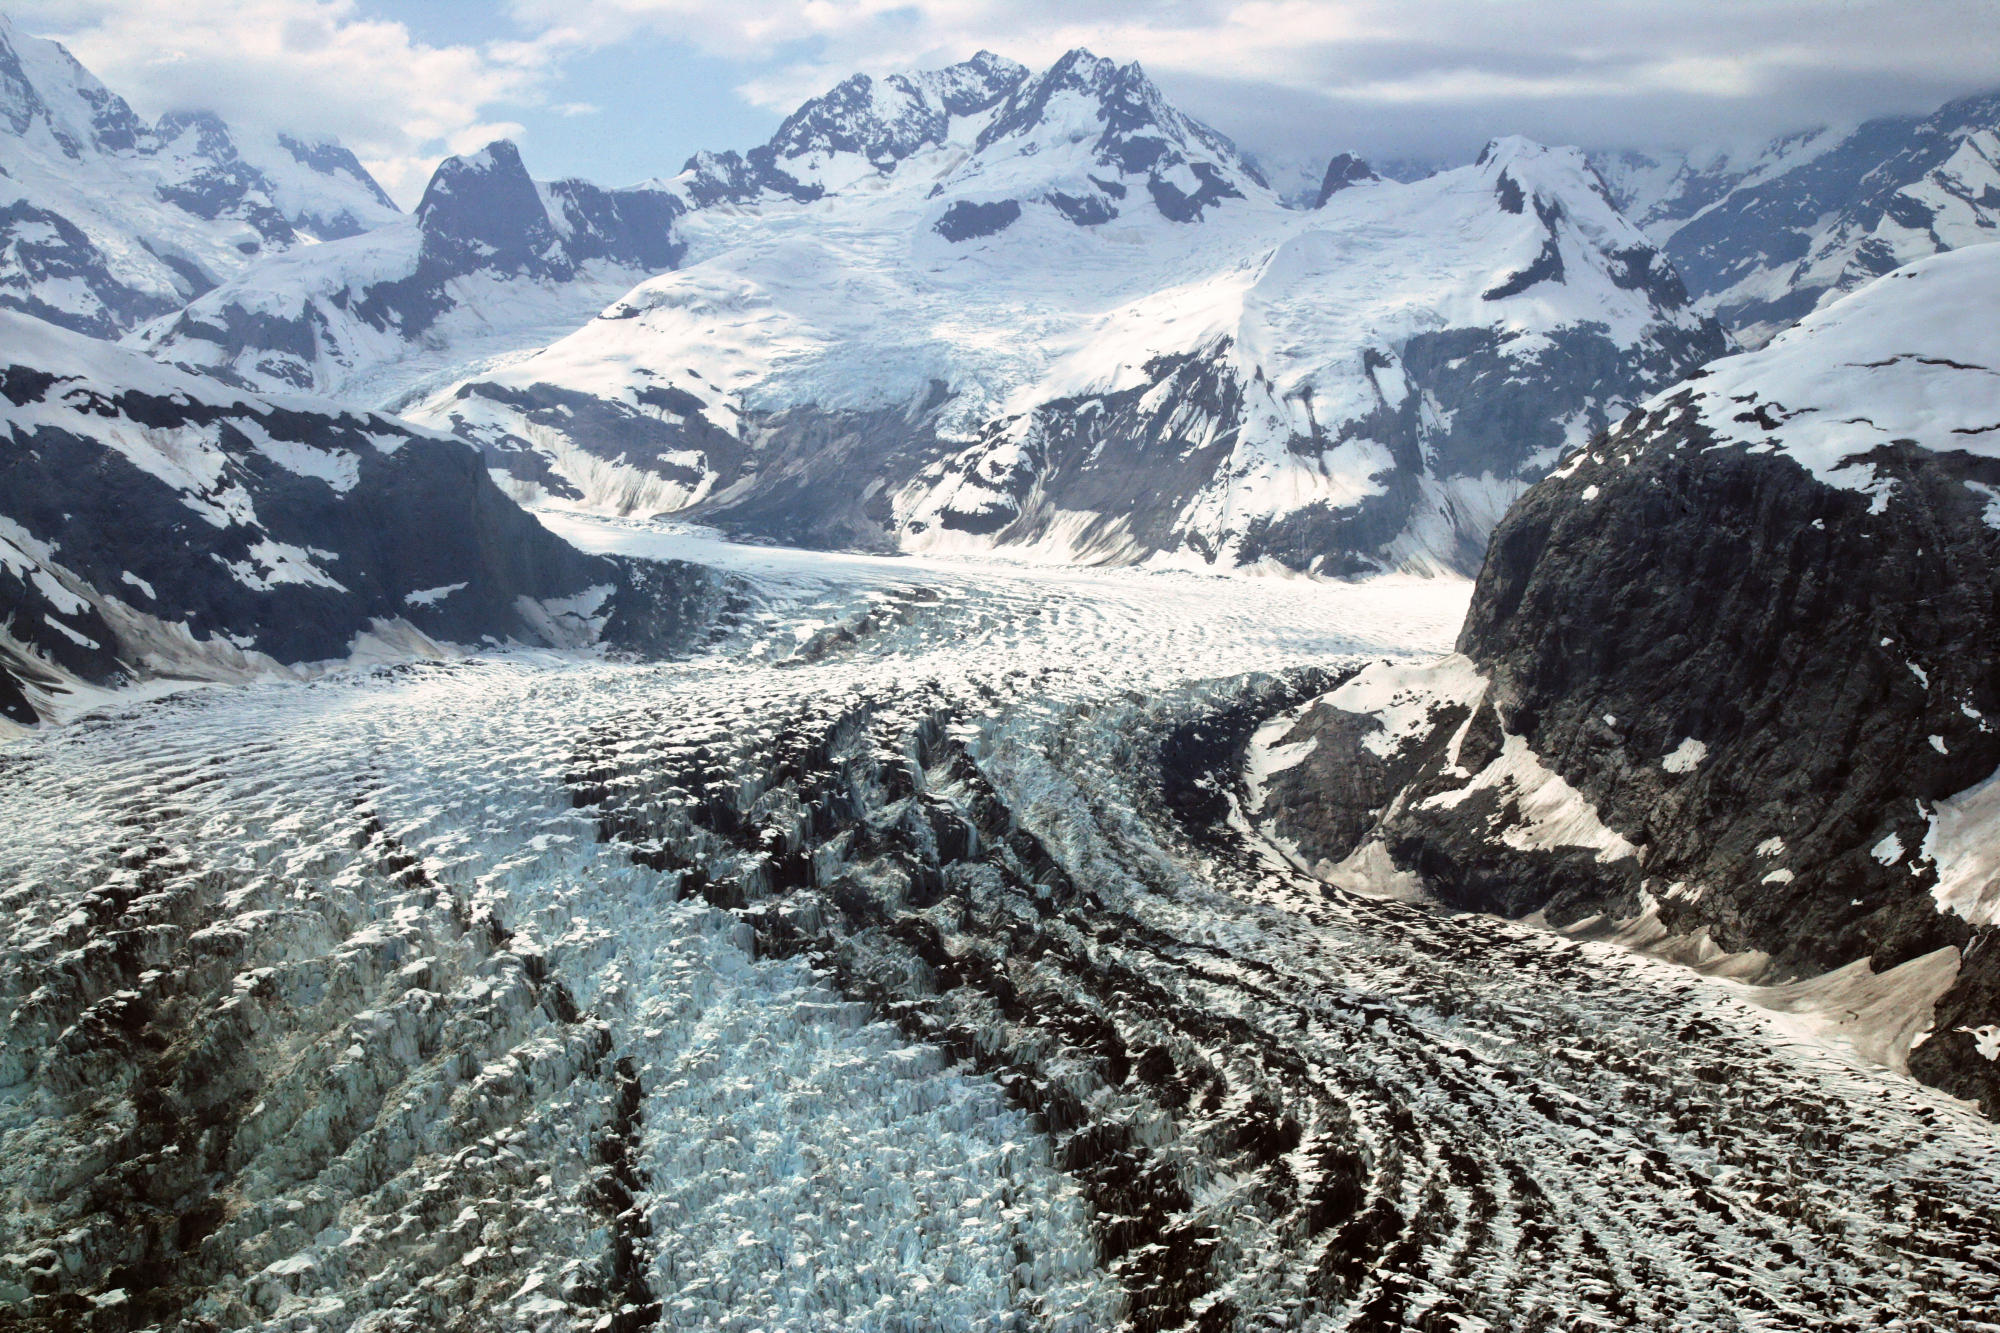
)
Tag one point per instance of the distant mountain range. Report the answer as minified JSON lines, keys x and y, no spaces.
{"x":1766,"y":235}
{"x":106,"y":220}
{"x":981,"y":307}
{"x":976,"y":308}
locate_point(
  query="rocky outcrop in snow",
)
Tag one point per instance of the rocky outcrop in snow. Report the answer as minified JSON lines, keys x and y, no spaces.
{"x":490,"y":261}
{"x":155,"y":523}
{"x":106,"y":220}
{"x":1728,"y":673}
{"x":1344,"y":170}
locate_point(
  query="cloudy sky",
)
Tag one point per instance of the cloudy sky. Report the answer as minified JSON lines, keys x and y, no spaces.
{"x":620,"y":90}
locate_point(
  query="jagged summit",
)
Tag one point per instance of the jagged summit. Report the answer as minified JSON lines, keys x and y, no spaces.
{"x":484,"y":205}
{"x":859,"y":127}
{"x":317,"y":319}
{"x":1096,"y":131}
{"x":46,"y":91}
{"x":1130,"y":135}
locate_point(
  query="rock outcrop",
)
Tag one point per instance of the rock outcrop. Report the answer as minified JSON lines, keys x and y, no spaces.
{"x":156,"y":523}
{"x":491,"y":260}
{"x":1729,"y":673}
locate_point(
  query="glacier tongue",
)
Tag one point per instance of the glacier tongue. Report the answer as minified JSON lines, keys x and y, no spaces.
{"x":889,"y":964}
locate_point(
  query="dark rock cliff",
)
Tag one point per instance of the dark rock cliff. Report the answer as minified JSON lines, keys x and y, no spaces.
{"x":1765,"y":684}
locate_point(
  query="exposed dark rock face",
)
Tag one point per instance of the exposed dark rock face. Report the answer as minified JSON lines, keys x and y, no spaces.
{"x":1344,"y":171}
{"x":1080,"y":455}
{"x":1734,"y":599}
{"x":481,"y":217}
{"x":237,"y":526}
{"x":482,"y":208}
{"x":968,"y":221}
{"x":1824,"y":672}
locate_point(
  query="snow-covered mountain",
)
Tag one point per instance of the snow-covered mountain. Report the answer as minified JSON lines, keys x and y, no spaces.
{"x":491,"y":262}
{"x":106,"y":221}
{"x":863,"y":127}
{"x":157,"y":523}
{"x":1765,"y":234}
{"x":1729,"y":676}
{"x":1084,"y":137}
{"x":1073,"y":322}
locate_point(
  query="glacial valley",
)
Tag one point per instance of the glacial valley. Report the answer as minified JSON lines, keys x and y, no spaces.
{"x":905,"y":957}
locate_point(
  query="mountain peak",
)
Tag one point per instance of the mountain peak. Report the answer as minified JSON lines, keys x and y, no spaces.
{"x":43,"y":86}
{"x":115,"y":221}
{"x":862,"y":126}
{"x":1098,"y":125}
{"x":484,"y":204}
{"x":1343,"y":171}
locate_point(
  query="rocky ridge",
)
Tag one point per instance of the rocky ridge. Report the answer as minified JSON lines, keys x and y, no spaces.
{"x":1728,"y":680}
{"x":1765,"y":235}
{"x":489,"y":257}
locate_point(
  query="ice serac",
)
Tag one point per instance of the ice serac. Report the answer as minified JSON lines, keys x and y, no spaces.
{"x":106,"y":220}
{"x":1090,"y":332}
{"x":158,"y":524}
{"x":1765,"y":235}
{"x":491,"y":261}
{"x":1729,"y":678}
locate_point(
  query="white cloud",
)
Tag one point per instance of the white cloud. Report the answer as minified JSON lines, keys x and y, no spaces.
{"x":1407,"y":72}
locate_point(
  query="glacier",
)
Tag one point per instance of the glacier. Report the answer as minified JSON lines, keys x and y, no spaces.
{"x":889,"y":962}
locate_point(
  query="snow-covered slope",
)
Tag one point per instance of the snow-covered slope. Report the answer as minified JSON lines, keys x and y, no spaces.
{"x":1087,"y":137}
{"x":1911,"y":358}
{"x":491,"y":262}
{"x":1080,"y":326}
{"x":106,"y":220}
{"x":1763,"y":235}
{"x":1730,"y":677}
{"x":156,"y":523}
